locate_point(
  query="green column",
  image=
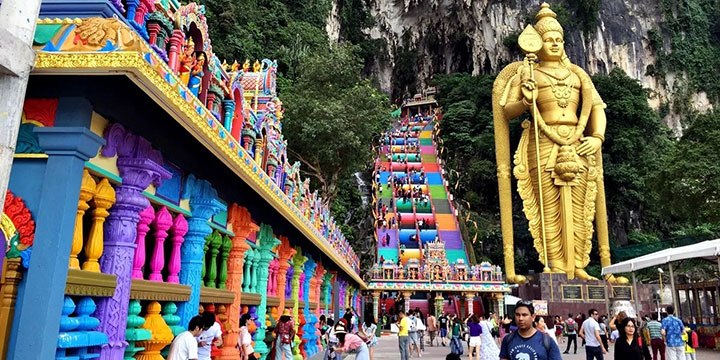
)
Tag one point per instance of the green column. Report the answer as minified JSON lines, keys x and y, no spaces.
{"x":266,"y":242}
{"x":249,"y":256}
{"x":298,"y":261}
{"x":214,"y":242}
{"x":224,"y":255}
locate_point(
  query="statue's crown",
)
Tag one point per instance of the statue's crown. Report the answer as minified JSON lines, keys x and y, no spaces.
{"x":546,"y":20}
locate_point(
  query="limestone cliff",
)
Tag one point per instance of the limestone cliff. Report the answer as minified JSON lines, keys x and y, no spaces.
{"x":476,"y":36}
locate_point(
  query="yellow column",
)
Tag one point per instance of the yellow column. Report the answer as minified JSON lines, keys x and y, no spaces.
{"x":161,"y":334}
{"x":104,"y":198}
{"x":87,"y":190}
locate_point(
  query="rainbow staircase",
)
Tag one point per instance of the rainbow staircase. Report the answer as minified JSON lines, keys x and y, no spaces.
{"x":398,"y":157}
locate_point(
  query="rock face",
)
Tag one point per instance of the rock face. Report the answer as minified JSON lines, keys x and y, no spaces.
{"x":470,"y":35}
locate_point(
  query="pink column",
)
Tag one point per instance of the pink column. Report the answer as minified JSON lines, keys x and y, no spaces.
{"x":272,"y":278}
{"x":176,"y":41}
{"x":163,"y":221}
{"x":178,"y":231}
{"x":146,"y":217}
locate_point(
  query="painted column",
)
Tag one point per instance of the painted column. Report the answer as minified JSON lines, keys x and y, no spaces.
{"x":247,"y":275}
{"x":439,"y":304}
{"x":376,"y":305}
{"x":336,"y":297}
{"x":37,"y":316}
{"x":242,"y":226}
{"x":469,"y":303}
{"x":501,"y":305}
{"x":327,"y":284}
{"x":266,"y":242}
{"x":229,"y":109}
{"x":285,"y":252}
{"x":308,"y":329}
{"x":203,"y":205}
{"x":139,"y":166}
{"x":317,"y":293}
{"x":406,"y":298}
{"x":298,"y":261}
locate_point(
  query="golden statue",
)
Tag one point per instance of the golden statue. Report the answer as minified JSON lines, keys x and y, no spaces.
{"x":561,"y":206}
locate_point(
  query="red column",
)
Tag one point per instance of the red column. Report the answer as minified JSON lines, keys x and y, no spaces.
{"x":176,"y":41}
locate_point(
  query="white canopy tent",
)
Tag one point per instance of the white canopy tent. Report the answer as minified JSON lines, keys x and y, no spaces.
{"x":707,"y":250}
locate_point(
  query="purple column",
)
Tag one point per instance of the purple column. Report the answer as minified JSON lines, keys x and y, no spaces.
{"x":139,"y":166}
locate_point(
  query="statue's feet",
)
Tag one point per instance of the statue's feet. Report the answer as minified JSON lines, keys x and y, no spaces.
{"x":516,"y":279}
{"x":582,"y":275}
{"x":617,"y":279}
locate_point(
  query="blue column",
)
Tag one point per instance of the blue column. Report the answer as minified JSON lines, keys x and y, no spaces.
{"x":203,"y":205}
{"x":37,"y":319}
{"x":308,"y":330}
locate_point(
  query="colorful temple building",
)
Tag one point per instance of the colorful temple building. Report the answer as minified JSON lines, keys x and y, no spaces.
{"x":151,"y":183}
{"x":422,"y":260}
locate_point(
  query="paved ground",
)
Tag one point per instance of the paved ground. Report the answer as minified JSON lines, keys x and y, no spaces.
{"x":387,"y":349}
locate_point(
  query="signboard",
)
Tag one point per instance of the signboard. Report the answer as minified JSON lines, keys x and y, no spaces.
{"x":541,"y":307}
{"x":596,"y":293}
{"x":571,"y":292}
{"x":622,"y":292}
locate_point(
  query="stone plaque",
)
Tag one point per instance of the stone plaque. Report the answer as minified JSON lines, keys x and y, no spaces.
{"x":623,"y":292}
{"x":571,"y":292}
{"x":596,"y":293}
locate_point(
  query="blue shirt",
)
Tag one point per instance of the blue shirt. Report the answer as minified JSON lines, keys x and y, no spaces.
{"x":673,"y":331}
{"x":531,"y":348}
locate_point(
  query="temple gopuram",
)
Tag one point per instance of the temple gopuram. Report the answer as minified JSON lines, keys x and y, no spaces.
{"x":151,"y":183}
{"x":422,"y":261}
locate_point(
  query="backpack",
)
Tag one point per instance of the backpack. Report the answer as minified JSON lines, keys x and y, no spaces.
{"x":546,"y":341}
{"x":570,"y":326}
{"x":691,"y":339}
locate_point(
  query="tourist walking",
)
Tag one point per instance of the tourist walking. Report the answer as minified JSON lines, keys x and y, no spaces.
{"x":245,"y":339}
{"x":604,"y":331}
{"x":571,"y":332}
{"x":368,"y":329}
{"x":331,"y":341}
{"x":541,"y":325}
{"x":284,"y":333}
{"x":403,"y":335}
{"x":656,"y":339}
{"x":590,"y":333}
{"x":629,"y":345}
{"x":420,"y":325}
{"x":691,"y":342}
{"x":456,"y":346}
{"x":489,"y":349}
{"x":672,"y":330}
{"x":432,"y":328}
{"x":413,"y":334}
{"x":185,"y":345}
{"x":212,"y":335}
{"x":505,"y":326}
{"x":475,"y":330}
{"x":443,"y":327}
{"x":348,"y":341}
{"x":527,"y":342}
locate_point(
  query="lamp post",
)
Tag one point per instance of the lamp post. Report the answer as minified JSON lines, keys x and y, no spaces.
{"x":660,"y":272}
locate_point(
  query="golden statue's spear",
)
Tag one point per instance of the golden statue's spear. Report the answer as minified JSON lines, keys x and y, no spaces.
{"x":530,"y":42}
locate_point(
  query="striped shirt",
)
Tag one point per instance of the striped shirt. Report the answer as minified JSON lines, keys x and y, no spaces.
{"x":655,"y":329}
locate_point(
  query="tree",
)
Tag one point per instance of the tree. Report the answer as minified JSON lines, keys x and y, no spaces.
{"x":633,"y":154}
{"x":332,"y":116}
{"x":690,"y":177}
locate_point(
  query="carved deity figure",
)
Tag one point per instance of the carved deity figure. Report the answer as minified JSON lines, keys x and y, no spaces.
{"x":558,"y":161}
{"x":196,"y":74}
{"x":186,"y":61}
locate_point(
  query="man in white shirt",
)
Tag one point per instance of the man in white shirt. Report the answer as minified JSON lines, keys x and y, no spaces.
{"x":590,"y":331}
{"x":212,"y":334}
{"x":185,"y":346}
